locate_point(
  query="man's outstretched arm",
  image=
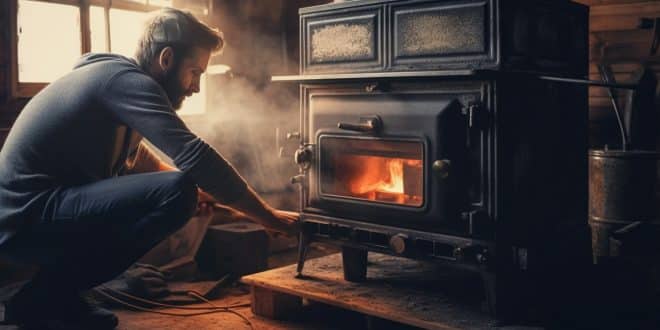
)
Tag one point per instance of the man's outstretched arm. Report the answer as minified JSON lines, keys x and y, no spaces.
{"x":260,"y":212}
{"x":145,"y":160}
{"x":139,"y":102}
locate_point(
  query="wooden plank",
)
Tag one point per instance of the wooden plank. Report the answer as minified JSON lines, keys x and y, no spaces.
{"x":273,"y":304}
{"x":600,"y":92}
{"x":26,"y":90}
{"x":397,"y":289}
{"x":624,"y":53}
{"x":625,"y":67}
{"x":618,"y":22}
{"x":621,"y":37}
{"x":606,"y":2}
{"x":595,"y":92}
{"x":3,"y":82}
{"x":85,"y":31}
{"x":13,"y":42}
{"x":64,"y":2}
{"x":619,"y":77}
{"x":124,"y":4}
{"x":637,"y":8}
{"x":4,"y":35}
{"x":598,"y":113}
{"x":601,"y":102}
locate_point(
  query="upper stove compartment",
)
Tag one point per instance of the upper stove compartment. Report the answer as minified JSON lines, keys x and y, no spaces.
{"x":404,"y":36}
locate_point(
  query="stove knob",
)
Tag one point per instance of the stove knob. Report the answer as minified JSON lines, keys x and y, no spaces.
{"x":441,"y":168}
{"x":303,"y":157}
{"x":398,"y":243}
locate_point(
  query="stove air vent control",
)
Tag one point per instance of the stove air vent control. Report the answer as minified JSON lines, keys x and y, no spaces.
{"x":398,"y":243}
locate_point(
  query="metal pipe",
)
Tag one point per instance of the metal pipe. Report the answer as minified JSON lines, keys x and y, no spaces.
{"x":590,"y":82}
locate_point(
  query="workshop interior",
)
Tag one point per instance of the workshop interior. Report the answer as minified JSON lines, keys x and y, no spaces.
{"x":454,"y":164}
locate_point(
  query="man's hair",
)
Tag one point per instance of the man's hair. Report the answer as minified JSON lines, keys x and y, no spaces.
{"x":177,"y":29}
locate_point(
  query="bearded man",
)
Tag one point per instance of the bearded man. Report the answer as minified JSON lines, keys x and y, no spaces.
{"x":83,"y":197}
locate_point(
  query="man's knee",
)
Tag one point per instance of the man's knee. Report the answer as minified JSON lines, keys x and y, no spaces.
{"x":182,"y":200}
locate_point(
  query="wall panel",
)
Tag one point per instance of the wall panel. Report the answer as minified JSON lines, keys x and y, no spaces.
{"x":616,"y":39}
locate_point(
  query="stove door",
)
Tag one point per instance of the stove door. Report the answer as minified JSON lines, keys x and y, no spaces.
{"x":392,"y":158}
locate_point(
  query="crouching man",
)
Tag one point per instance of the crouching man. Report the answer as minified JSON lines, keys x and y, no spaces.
{"x":83,"y":198}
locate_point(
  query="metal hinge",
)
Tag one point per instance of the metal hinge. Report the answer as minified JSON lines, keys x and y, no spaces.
{"x":479,"y":222}
{"x":477,"y":117}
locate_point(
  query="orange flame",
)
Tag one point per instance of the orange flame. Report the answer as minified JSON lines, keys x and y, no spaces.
{"x":389,"y":178}
{"x":383,"y":179}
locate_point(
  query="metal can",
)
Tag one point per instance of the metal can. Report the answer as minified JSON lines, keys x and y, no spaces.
{"x":622,"y":190}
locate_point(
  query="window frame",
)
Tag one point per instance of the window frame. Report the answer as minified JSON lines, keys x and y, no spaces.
{"x":29,"y":89}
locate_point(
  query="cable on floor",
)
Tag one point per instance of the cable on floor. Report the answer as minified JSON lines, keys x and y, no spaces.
{"x":160,"y":304}
{"x":206,"y":310}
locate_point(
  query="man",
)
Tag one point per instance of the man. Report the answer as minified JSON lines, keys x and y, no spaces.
{"x":70,"y":199}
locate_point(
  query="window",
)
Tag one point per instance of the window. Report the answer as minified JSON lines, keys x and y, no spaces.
{"x":43,"y":52}
{"x":60,"y":41}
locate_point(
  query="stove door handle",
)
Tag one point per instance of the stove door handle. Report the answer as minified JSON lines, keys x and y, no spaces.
{"x":371,"y":124}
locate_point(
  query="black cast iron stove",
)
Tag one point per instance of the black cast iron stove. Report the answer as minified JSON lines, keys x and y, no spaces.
{"x":434,"y":130}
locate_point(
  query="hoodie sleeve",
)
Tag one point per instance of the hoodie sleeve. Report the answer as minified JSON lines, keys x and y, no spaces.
{"x":140,"y":103}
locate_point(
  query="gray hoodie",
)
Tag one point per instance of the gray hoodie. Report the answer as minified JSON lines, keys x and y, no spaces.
{"x":79,"y":130}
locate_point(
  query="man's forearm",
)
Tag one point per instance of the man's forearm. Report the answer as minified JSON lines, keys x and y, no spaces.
{"x":254,"y":207}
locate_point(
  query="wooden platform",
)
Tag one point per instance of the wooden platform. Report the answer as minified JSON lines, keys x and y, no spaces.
{"x":401,"y":290}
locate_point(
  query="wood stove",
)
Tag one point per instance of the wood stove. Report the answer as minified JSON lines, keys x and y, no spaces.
{"x":434,"y":130}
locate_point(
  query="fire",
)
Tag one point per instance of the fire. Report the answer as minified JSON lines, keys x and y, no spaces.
{"x":388,"y":177}
{"x":384,"y":179}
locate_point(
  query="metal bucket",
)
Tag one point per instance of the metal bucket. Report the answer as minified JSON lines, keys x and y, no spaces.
{"x":622,"y":191}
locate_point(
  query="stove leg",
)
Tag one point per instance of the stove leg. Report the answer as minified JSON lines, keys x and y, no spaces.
{"x":355,"y":264}
{"x":303,"y":246}
{"x":490,"y":288}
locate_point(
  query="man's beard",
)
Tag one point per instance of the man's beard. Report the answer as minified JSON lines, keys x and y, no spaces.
{"x":172,"y":86}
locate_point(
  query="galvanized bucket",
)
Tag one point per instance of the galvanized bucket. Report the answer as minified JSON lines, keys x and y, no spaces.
{"x":622,"y":191}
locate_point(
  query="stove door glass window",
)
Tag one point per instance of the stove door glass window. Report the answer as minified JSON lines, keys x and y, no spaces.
{"x":376,"y":170}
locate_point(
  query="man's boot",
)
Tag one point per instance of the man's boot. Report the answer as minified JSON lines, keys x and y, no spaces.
{"x":48,"y":309}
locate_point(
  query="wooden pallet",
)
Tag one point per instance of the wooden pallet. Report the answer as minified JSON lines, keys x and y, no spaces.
{"x":397,"y":289}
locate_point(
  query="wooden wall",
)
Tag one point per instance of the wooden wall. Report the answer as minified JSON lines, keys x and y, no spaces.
{"x":616,"y":39}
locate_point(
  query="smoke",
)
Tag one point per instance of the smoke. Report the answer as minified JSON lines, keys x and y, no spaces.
{"x":247,"y":117}
{"x":247,"y":123}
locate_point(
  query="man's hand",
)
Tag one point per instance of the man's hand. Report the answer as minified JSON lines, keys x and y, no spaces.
{"x":204,"y":203}
{"x":284,"y":222}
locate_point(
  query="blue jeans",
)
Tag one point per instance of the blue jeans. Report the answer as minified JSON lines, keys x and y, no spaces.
{"x":90,"y":234}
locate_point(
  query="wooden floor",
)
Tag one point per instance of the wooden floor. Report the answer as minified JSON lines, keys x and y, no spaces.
{"x":313,"y":317}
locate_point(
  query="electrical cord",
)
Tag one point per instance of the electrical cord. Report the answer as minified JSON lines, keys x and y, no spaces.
{"x":204,"y":310}
{"x":156,"y":303}
{"x":228,"y":310}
